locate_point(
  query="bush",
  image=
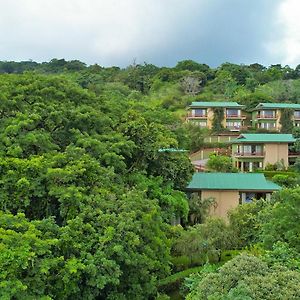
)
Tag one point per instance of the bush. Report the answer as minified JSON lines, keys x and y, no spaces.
{"x":271,"y":174}
{"x":220,"y":163}
{"x":247,"y":277}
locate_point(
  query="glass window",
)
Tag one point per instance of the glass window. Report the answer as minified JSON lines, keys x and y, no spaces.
{"x":268,"y":113}
{"x":236,"y":124}
{"x":233,"y":112}
{"x":247,"y":148}
{"x":297,"y":114}
{"x":268,"y":125}
{"x":200,"y":112}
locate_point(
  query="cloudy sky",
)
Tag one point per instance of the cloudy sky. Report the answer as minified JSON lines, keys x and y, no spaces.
{"x":162,"y":32}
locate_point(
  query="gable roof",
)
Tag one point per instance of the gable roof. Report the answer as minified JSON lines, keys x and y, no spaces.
{"x":277,"y":105}
{"x":264,"y":138}
{"x":231,"y":181}
{"x":217,"y":104}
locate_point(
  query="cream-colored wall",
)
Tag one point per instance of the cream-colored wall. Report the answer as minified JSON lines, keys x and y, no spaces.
{"x":225,"y":200}
{"x":276,"y":152}
{"x":278,"y":116}
{"x":210,"y":117}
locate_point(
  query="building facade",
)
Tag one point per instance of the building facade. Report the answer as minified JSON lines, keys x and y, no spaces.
{"x":202,"y":114}
{"x":230,"y":189}
{"x":256,"y":151}
{"x":267,"y":115}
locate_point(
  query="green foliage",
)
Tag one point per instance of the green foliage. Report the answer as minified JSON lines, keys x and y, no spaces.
{"x":283,"y":255}
{"x":245,"y":223}
{"x":206,"y":239}
{"x":178,"y":276}
{"x":296,"y":165}
{"x":86,"y":199}
{"x":280,"y":220}
{"x":191,"y":137}
{"x":220,"y":163}
{"x":217,"y":125}
{"x":199,"y":208}
{"x":28,"y":258}
{"x":252,"y":99}
{"x":286,"y":120}
{"x":247,"y":277}
{"x":270,"y":174}
{"x":286,"y":180}
{"x":97,"y":196}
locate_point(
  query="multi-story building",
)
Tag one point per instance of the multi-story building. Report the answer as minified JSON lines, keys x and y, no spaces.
{"x":267,"y":115}
{"x":230,"y":189}
{"x":202,"y":114}
{"x":256,"y":151}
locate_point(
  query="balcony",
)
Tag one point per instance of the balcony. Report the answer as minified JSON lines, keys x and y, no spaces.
{"x":196,"y":116}
{"x":234,"y":128}
{"x":296,"y":117}
{"x":268,"y":117}
{"x":293,"y":154}
{"x":235,"y":116}
{"x":249,"y":154}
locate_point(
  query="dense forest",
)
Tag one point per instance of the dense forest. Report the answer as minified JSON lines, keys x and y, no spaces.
{"x":92,"y":185}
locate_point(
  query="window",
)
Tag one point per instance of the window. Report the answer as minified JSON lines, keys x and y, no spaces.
{"x":200,"y":112}
{"x":297,"y":114}
{"x":233,"y":125}
{"x":267,"y":114}
{"x":233,"y":112}
{"x":271,"y":125}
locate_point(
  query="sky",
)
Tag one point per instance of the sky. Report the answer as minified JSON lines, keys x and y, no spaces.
{"x":161,"y":32}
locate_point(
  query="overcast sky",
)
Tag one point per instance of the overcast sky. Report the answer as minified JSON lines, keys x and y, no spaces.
{"x":162,"y":32}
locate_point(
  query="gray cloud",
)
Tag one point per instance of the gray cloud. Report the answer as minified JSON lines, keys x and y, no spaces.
{"x":157,"y":31}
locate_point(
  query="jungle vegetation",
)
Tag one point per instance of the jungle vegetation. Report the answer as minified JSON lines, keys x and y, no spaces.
{"x":88,"y":202}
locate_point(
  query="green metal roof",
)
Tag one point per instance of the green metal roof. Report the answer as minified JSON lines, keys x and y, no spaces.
{"x":277,"y":105}
{"x":231,"y":181}
{"x":217,"y":104}
{"x":171,"y":150}
{"x":264,"y":138}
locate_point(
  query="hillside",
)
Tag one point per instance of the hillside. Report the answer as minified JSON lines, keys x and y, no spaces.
{"x":90,"y":190}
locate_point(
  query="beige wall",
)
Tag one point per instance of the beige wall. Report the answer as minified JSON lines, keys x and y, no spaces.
{"x":210,"y":117}
{"x":225,"y":200}
{"x":278,"y":116}
{"x":275,"y":152}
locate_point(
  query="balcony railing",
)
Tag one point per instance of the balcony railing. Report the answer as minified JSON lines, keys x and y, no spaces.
{"x":235,"y":116}
{"x":297,"y":117}
{"x":234,"y":128}
{"x":197,"y":116}
{"x":291,"y":153}
{"x":250,"y":154}
{"x":262,"y":116}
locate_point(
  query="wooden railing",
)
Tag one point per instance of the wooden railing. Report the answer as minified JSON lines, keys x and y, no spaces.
{"x":190,"y":116}
{"x":291,"y":153}
{"x":252,"y":154}
{"x":261,"y":116}
{"x":228,"y":116}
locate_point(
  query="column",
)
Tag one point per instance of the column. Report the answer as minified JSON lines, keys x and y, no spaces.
{"x":243,"y":197}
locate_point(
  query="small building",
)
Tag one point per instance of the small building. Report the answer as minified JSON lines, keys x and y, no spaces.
{"x":202,"y":114}
{"x":230,"y":189}
{"x":267,"y":115}
{"x":256,"y":151}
